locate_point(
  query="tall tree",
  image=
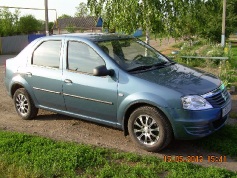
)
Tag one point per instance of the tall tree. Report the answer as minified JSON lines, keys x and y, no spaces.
{"x":183,"y":18}
{"x":82,"y":10}
{"x":175,"y":18}
{"x":128,"y":16}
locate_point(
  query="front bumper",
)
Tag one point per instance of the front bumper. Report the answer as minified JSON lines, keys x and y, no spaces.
{"x":197,"y":124}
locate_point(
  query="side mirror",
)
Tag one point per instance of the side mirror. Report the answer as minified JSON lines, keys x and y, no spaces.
{"x":102,"y":71}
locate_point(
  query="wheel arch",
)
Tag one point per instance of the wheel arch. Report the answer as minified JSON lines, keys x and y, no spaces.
{"x":19,"y":82}
{"x":135,"y":106}
{"x":24,"y":105}
{"x":15,"y":87}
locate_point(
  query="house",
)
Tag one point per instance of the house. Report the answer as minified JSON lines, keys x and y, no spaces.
{"x":78,"y":24}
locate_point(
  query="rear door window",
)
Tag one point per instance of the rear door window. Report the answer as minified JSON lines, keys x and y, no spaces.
{"x":47,"y":54}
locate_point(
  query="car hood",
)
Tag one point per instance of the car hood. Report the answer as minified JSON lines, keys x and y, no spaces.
{"x":184,"y":79}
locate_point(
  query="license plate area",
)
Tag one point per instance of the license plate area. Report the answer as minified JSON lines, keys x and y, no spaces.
{"x":226,"y":110}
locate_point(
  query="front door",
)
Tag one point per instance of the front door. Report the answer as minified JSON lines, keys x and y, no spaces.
{"x":87,"y":95}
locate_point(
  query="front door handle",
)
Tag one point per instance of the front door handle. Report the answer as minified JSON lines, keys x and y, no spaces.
{"x":29,"y":74}
{"x":67,"y":81}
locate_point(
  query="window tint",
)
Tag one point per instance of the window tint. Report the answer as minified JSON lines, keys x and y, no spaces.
{"x":47,"y":54}
{"x":82,"y":58}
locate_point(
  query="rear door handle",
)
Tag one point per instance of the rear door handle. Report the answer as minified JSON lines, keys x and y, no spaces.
{"x":67,"y":81}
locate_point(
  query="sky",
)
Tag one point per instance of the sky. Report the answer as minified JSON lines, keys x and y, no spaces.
{"x":61,"y":6}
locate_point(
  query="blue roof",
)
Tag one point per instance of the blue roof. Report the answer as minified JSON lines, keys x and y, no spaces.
{"x":97,"y":36}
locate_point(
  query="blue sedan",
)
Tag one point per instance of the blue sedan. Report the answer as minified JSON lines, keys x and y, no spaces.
{"x":119,"y":81}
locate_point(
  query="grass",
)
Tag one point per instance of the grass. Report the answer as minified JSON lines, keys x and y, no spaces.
{"x":223,"y":141}
{"x":234,"y":56}
{"x":30,"y":156}
{"x":233,"y":114}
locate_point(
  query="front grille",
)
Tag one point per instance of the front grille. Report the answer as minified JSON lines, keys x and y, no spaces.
{"x":218,"y":97}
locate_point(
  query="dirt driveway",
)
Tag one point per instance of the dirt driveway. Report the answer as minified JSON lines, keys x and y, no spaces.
{"x":65,"y":128}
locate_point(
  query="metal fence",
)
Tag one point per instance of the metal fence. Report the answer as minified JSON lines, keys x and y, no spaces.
{"x":14,"y":44}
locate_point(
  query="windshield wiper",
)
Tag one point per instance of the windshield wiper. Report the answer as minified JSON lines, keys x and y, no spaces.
{"x":140,"y":68}
{"x":157,"y":65}
{"x":161,"y":64}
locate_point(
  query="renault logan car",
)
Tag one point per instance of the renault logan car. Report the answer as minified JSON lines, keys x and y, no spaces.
{"x":119,"y":81}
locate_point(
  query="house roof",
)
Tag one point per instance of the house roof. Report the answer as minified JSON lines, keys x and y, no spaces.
{"x":79,"y":22}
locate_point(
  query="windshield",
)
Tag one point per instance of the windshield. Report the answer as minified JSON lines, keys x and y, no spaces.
{"x":133,"y":54}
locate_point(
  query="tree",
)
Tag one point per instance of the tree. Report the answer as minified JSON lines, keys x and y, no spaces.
{"x":42,"y":26}
{"x":29,"y":24}
{"x":8,"y":22}
{"x":13,"y":24}
{"x":82,"y":10}
{"x":175,"y":18}
{"x":64,"y":16}
{"x":211,"y":15}
{"x":128,"y":16}
{"x":71,"y":29}
{"x":51,"y":24}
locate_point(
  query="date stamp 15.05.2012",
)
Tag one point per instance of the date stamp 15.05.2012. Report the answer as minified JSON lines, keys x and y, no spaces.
{"x":195,"y":158}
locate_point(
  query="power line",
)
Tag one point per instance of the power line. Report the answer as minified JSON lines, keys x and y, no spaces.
{"x":29,"y":8}
{"x":46,"y":9}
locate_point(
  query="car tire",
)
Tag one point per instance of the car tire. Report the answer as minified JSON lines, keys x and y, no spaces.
{"x":24,"y":104}
{"x":149,"y":129}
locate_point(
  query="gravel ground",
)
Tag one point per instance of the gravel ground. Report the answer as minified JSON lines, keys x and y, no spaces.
{"x":66,"y":128}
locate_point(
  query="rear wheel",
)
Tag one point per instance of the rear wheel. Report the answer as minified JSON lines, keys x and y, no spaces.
{"x":149,"y":129}
{"x":24,"y":104}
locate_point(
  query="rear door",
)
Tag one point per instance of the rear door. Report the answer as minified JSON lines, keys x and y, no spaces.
{"x":44,"y":74}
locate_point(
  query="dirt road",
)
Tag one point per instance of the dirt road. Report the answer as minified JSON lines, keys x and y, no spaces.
{"x":65,"y":128}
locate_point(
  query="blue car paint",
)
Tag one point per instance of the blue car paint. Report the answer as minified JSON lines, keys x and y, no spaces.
{"x":161,"y":88}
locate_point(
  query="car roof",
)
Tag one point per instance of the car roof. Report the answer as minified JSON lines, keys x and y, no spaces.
{"x":96,"y":36}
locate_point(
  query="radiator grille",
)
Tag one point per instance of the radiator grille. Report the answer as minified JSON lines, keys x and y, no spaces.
{"x":218,"y":97}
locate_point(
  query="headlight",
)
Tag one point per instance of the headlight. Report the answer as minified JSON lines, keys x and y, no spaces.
{"x":195,"y":102}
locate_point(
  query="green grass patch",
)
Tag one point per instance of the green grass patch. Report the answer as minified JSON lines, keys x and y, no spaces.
{"x":234,"y":50}
{"x":223,"y":141}
{"x":233,"y":55}
{"x":30,"y":156}
{"x":233,"y":115}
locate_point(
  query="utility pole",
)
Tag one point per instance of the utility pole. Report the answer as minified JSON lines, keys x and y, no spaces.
{"x":223,"y":24}
{"x":46,"y":18}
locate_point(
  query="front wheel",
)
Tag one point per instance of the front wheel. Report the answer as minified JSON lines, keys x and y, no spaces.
{"x":24,"y":104}
{"x":149,"y":129}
